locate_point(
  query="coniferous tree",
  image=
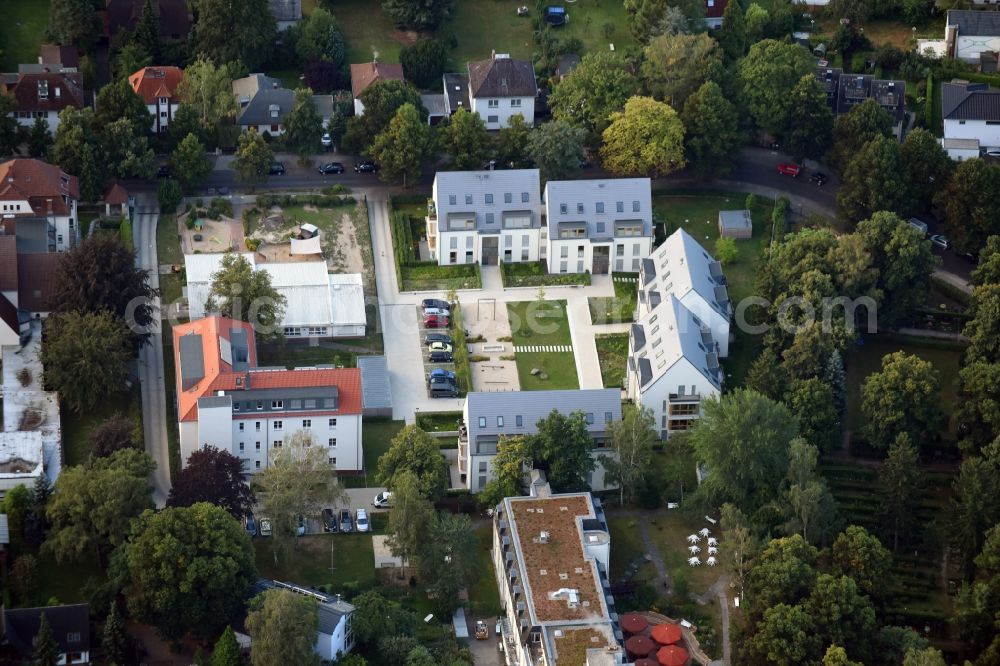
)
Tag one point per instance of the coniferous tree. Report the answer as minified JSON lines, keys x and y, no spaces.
{"x":114,"y":640}
{"x":45,"y":651}
{"x":147,"y":32}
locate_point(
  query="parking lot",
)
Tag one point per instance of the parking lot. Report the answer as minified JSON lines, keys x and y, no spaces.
{"x":422,"y":331}
{"x":355,"y":498}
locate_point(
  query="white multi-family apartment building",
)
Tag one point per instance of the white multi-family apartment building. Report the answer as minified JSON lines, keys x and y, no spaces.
{"x":598,"y":226}
{"x":38,"y":205}
{"x":225,"y":400}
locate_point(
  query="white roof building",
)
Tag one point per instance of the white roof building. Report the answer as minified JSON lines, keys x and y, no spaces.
{"x":318,"y":303}
{"x":681,"y":267}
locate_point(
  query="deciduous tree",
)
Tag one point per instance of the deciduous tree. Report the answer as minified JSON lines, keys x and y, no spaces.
{"x":810,"y":120}
{"x":127,"y":150}
{"x":966,"y":203}
{"x":632,"y":441}
{"x":321,"y":38}
{"x":873,"y":181}
{"x":988,"y":269}
{"x":811,"y":401}
{"x":785,"y":636}
{"x":852,"y":130}
{"x":208,"y":89}
{"x":712,"y":135}
{"x":842,"y":615}
{"x":599,"y":86}
{"x":304,"y":125}
{"x":253,"y":159}
{"x":811,"y":508}
{"x":508,"y":472}
{"x":130,"y":58}
{"x":512,"y":149}
{"x":783,"y":573}
{"x":283,"y":627}
{"x":227,"y":31}
{"x":95,"y":503}
{"x":113,"y":434}
{"x":402,"y":147}
{"x":215,"y":476}
{"x":927,"y":167}
{"x":646,"y":139}
{"x":556,"y":148}
{"x":465,"y":139}
{"x":902,"y":486}
{"x":40,"y":138}
{"x":86,"y":356}
{"x":10,"y":133}
{"x":73,"y":23}
{"x":769,"y":73}
{"x":382,"y":100}
{"x":410,"y":518}
{"x":244,"y":294}
{"x":562,"y":447}
{"x":447,"y":559}
{"x":118,"y":100}
{"x":413,"y":450}
{"x":978,"y":411}
{"x":860,"y":555}
{"x":422,"y":15}
{"x":190,"y":162}
{"x":903,"y":397}
{"x":974,"y":505}
{"x":757,"y":20}
{"x":675,"y":66}
{"x":188,"y":569}
{"x":983,"y":330}
{"x":78,"y":150}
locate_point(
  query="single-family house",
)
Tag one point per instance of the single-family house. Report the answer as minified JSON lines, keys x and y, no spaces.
{"x":971,"y":115}
{"x":598,"y":225}
{"x":172,"y":16}
{"x":502,"y":87}
{"x":673,"y":365}
{"x":681,"y":267}
{"x":286,"y":12}
{"x":551,"y":557}
{"x":262,"y":103}
{"x":365,"y":74}
{"x":224,"y":399}
{"x":70,"y":626}
{"x":157,"y":86}
{"x":40,"y":93}
{"x":714,"y":9}
{"x":484,"y":217}
{"x":318,"y":304}
{"x":38,"y":204}
{"x":968,"y":33}
{"x":487,"y":417}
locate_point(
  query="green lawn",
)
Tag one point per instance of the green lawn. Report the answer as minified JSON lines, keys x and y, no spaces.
{"x":366,"y":29}
{"x":484,"y":599}
{"x":168,"y":242}
{"x":534,"y":323}
{"x":590,"y":20}
{"x":559,"y":369}
{"x":439,"y":421}
{"x":171,"y":289}
{"x":290,"y":78}
{"x":612,"y":351}
{"x":319,"y":559}
{"x":867,"y":358}
{"x":429,"y":276}
{"x":697,"y":211}
{"x":484,"y":25}
{"x":620,"y":307}
{"x":303,"y":355}
{"x":534,"y":274}
{"x":376,"y":434}
{"x":22,"y":31}
{"x":626,"y":543}
{"x":76,"y":427}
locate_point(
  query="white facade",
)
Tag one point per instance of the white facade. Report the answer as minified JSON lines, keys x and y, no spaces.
{"x":496,"y":112}
{"x":162,"y":111}
{"x":970,"y":33}
{"x":63,"y":230}
{"x":27,"y":119}
{"x":986,"y":132}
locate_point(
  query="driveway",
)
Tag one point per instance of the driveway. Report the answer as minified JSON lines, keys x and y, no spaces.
{"x":154,"y":403}
{"x":484,"y":652}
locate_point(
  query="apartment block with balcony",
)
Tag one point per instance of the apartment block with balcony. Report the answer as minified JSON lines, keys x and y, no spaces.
{"x":598,"y":226}
{"x":38,"y":204}
{"x":489,"y":416}
{"x":551,"y":554}
{"x":225,"y":400}
{"x":484,"y":217}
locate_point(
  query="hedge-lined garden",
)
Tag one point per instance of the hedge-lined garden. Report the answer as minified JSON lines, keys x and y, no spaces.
{"x":535,"y":274}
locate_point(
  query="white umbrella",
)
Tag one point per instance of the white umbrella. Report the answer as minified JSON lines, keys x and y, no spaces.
{"x":704,"y":531}
{"x":712,"y":550}
{"x":694,"y":549}
{"x":693,"y":538}
{"x":694,"y":561}
{"x":710,"y":561}
{"x":712,"y":541}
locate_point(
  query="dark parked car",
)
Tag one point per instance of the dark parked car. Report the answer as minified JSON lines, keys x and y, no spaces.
{"x":163,"y":171}
{"x":346,"y":522}
{"x":332,"y":167}
{"x":435,"y":321}
{"x":277,"y":169}
{"x":329,"y":521}
{"x":365,"y":167}
{"x":437,"y":337}
{"x":442,"y":390}
{"x":250,"y":524}
{"x":818,"y":177}
{"x":441,"y":357}
{"x":435,"y":303}
{"x":555,"y":15}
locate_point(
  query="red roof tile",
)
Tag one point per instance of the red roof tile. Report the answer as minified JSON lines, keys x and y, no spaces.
{"x":116,"y":195}
{"x":715,"y":8}
{"x":367,"y":73}
{"x":347,"y":381}
{"x":42,"y":184}
{"x":153,"y":82}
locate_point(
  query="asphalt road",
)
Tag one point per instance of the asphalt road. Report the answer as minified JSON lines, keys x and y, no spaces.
{"x":154,"y":404}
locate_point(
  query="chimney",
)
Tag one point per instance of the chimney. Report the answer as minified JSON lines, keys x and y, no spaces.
{"x":493,"y":54}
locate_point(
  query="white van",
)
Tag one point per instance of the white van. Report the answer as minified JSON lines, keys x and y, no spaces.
{"x":919,"y":225}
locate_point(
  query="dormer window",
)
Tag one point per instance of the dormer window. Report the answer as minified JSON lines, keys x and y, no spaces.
{"x":273,"y":110}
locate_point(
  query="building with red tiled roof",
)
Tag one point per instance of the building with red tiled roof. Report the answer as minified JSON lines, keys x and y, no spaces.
{"x":38,"y":204}
{"x":714,"y":9}
{"x":43,"y":94}
{"x":158,"y":88}
{"x":225,"y":400}
{"x":365,"y":74}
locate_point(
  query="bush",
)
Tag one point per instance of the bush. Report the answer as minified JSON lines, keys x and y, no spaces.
{"x":779,"y":216}
{"x":169,"y":195}
{"x":726,"y":251}
{"x":460,"y":350}
{"x":534,"y":274}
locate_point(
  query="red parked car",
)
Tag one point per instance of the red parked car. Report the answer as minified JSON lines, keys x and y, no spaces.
{"x":792,"y":170}
{"x":435,"y":321}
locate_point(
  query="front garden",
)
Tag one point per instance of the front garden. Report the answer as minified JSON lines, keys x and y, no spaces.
{"x":535,"y":274}
{"x":538,"y":329}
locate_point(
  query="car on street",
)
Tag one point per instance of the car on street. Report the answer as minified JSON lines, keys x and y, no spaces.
{"x":788,"y":169}
{"x":441,"y":357}
{"x":329,"y":521}
{"x":435,"y":321}
{"x":941,"y":241}
{"x":441,"y":372}
{"x":435,"y":303}
{"x":383,"y":500}
{"x":437,"y":311}
{"x":346,"y":522}
{"x":265,"y":527}
{"x":250,"y":524}
{"x":365,"y":167}
{"x":437,"y":337}
{"x":223,"y":191}
{"x":440,"y":346}
{"x":331,"y":167}
{"x":362,"y":521}
{"x":326,"y":140}
{"x":818,"y":177}
{"x":277,"y":169}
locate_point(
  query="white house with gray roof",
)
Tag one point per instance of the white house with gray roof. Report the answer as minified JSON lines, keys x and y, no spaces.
{"x":262,"y":103}
{"x":598,"y":226}
{"x":682,"y":268}
{"x":490,"y":416}
{"x":673,"y":365}
{"x":970,"y":33}
{"x":971,"y":114}
{"x":484,"y":217}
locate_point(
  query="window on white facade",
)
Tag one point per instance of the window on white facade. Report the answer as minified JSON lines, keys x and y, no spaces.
{"x":562,"y":209}
{"x":524,"y":197}
{"x":620,"y":206}
{"x":600,"y":206}
{"x":499,"y":421}
{"x":332,"y":461}
{"x":468,"y":199}
{"x":524,"y":255}
{"x":489,"y":218}
{"x":482,"y":421}
{"x":257,"y":445}
{"x":257,"y":425}
{"x":257,"y":464}
{"x":579,"y":208}
{"x":333,"y":423}
{"x":241,"y":428}
{"x":515,"y":103}
{"x":260,"y":405}
{"x":452,"y":199}
{"x":564,"y":251}
{"x":635,"y":206}
{"x":241,"y":446}
{"x":508,"y":197}
{"x":489,"y":198}
{"x":307,"y":423}
{"x":493,"y":119}
{"x":277,"y":444}
{"x":277,"y":425}
{"x":493,"y":104}
{"x":332,"y":441}
{"x":600,"y":227}
{"x":519,"y":420}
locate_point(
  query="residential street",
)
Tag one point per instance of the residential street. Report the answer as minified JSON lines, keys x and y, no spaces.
{"x":154,"y":407}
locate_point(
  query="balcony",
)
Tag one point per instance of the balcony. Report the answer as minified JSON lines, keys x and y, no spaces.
{"x":684,"y":397}
{"x":432,"y":209}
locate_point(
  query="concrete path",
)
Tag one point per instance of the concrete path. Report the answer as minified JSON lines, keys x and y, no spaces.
{"x":588,"y":366}
{"x":939,"y":335}
{"x":954,"y":280}
{"x":154,"y":402}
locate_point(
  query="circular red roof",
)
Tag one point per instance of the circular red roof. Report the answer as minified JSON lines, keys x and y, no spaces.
{"x":639,"y":646}
{"x":633,"y":623}
{"x":666,"y":634}
{"x":672,"y":655}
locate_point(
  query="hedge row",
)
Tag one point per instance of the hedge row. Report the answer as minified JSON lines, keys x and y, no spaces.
{"x":460,"y":349}
{"x":319,"y":200}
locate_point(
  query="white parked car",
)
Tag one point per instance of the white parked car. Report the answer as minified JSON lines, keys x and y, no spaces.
{"x":326,"y":140}
{"x":383,"y":500}
{"x":361,"y":521}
